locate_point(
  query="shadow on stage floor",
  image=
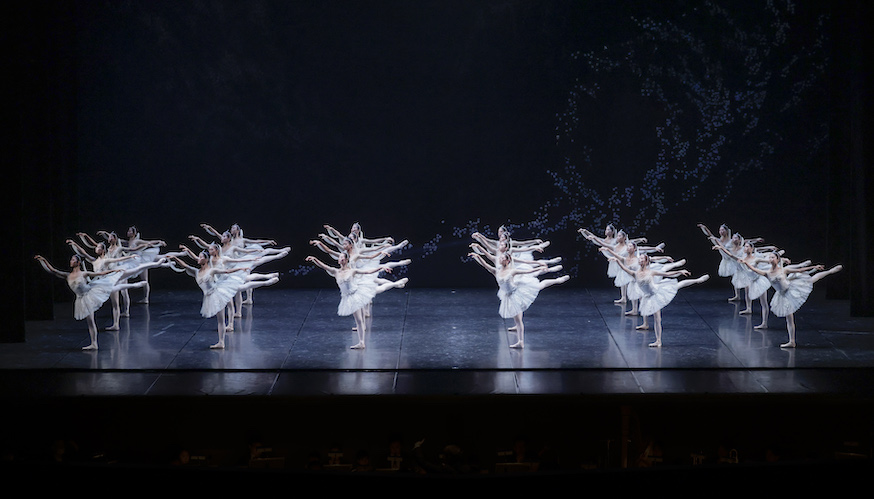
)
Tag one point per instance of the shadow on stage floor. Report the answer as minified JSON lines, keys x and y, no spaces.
{"x":585,"y":395}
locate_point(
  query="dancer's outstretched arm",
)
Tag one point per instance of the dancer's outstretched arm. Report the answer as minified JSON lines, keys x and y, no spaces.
{"x":188,"y":251}
{"x":483,"y":263}
{"x":187,"y":268}
{"x":87,"y":240}
{"x":332,"y":241}
{"x":327,"y":268}
{"x":318,"y":244}
{"x":705,"y":230}
{"x":754,"y":269}
{"x":722,"y":249}
{"x":613,"y":254}
{"x":593,"y":238}
{"x":482,"y":251}
{"x":48,"y":267}
{"x":198,"y":241}
{"x":491,"y":244}
{"x":211,"y":230}
{"x":333,"y":232}
{"x":80,"y":251}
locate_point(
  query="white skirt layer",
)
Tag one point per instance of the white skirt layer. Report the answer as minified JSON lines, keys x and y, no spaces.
{"x":220,"y":294}
{"x":663,"y":292}
{"x":517,"y":295}
{"x":790,"y":300}
{"x":92,"y":294}
{"x":361,"y":291}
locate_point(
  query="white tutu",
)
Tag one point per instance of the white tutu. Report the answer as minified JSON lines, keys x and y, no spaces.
{"x":517,"y":293}
{"x":92,"y":293}
{"x":656,"y":295}
{"x":218,"y":291}
{"x":790,"y":294}
{"x":355,"y":293}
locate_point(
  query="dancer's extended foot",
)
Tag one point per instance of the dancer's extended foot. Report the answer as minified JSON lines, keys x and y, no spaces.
{"x":92,"y":346}
{"x":642,"y":327}
{"x":632,"y":312}
{"x":403,"y":282}
{"x":761,"y":326}
{"x":358,"y":346}
{"x":511,"y":328}
{"x":656,"y":344}
{"x":518,"y":344}
{"x":790,"y":344}
{"x":619,"y":301}
{"x":218,"y":346}
{"x":113,"y":327}
{"x":746,"y":311}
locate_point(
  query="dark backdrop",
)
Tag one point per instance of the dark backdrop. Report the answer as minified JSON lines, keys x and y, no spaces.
{"x":428,"y":120}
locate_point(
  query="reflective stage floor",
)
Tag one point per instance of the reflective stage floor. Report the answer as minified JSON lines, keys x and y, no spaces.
{"x":444,"y":342}
{"x":586,"y":391}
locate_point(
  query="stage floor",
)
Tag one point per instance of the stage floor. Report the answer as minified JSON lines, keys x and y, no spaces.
{"x":444,"y":342}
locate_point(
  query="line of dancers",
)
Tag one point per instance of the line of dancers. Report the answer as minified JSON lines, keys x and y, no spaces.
{"x":649,"y":282}
{"x":516,"y":272}
{"x":223,"y":272}
{"x":755,"y":270}
{"x":223,"y":269}
{"x":360,"y":264}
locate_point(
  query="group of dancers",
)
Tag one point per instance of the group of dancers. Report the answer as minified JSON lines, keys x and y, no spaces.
{"x":647,"y":279}
{"x":223,"y":269}
{"x":755,"y":270}
{"x":517,"y":274}
{"x":358,"y":272}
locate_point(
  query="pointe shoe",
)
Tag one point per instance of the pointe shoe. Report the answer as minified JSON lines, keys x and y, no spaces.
{"x":218,"y":346}
{"x":518,"y":344}
{"x":656,"y":344}
{"x":358,"y":346}
{"x":790,"y":344}
{"x":92,"y":346}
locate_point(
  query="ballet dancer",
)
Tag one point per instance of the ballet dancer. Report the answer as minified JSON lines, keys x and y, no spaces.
{"x":625,"y":281}
{"x":356,"y":293}
{"x":149,"y":251}
{"x":617,"y":242}
{"x":755,"y":286}
{"x":130,"y":265}
{"x":92,"y":289}
{"x":732,"y":244}
{"x":518,"y":287}
{"x":792,"y":285}
{"x":238,"y":240}
{"x":657,"y":288}
{"x":228,"y":250}
{"x":115,"y":248}
{"x":219,"y":286}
